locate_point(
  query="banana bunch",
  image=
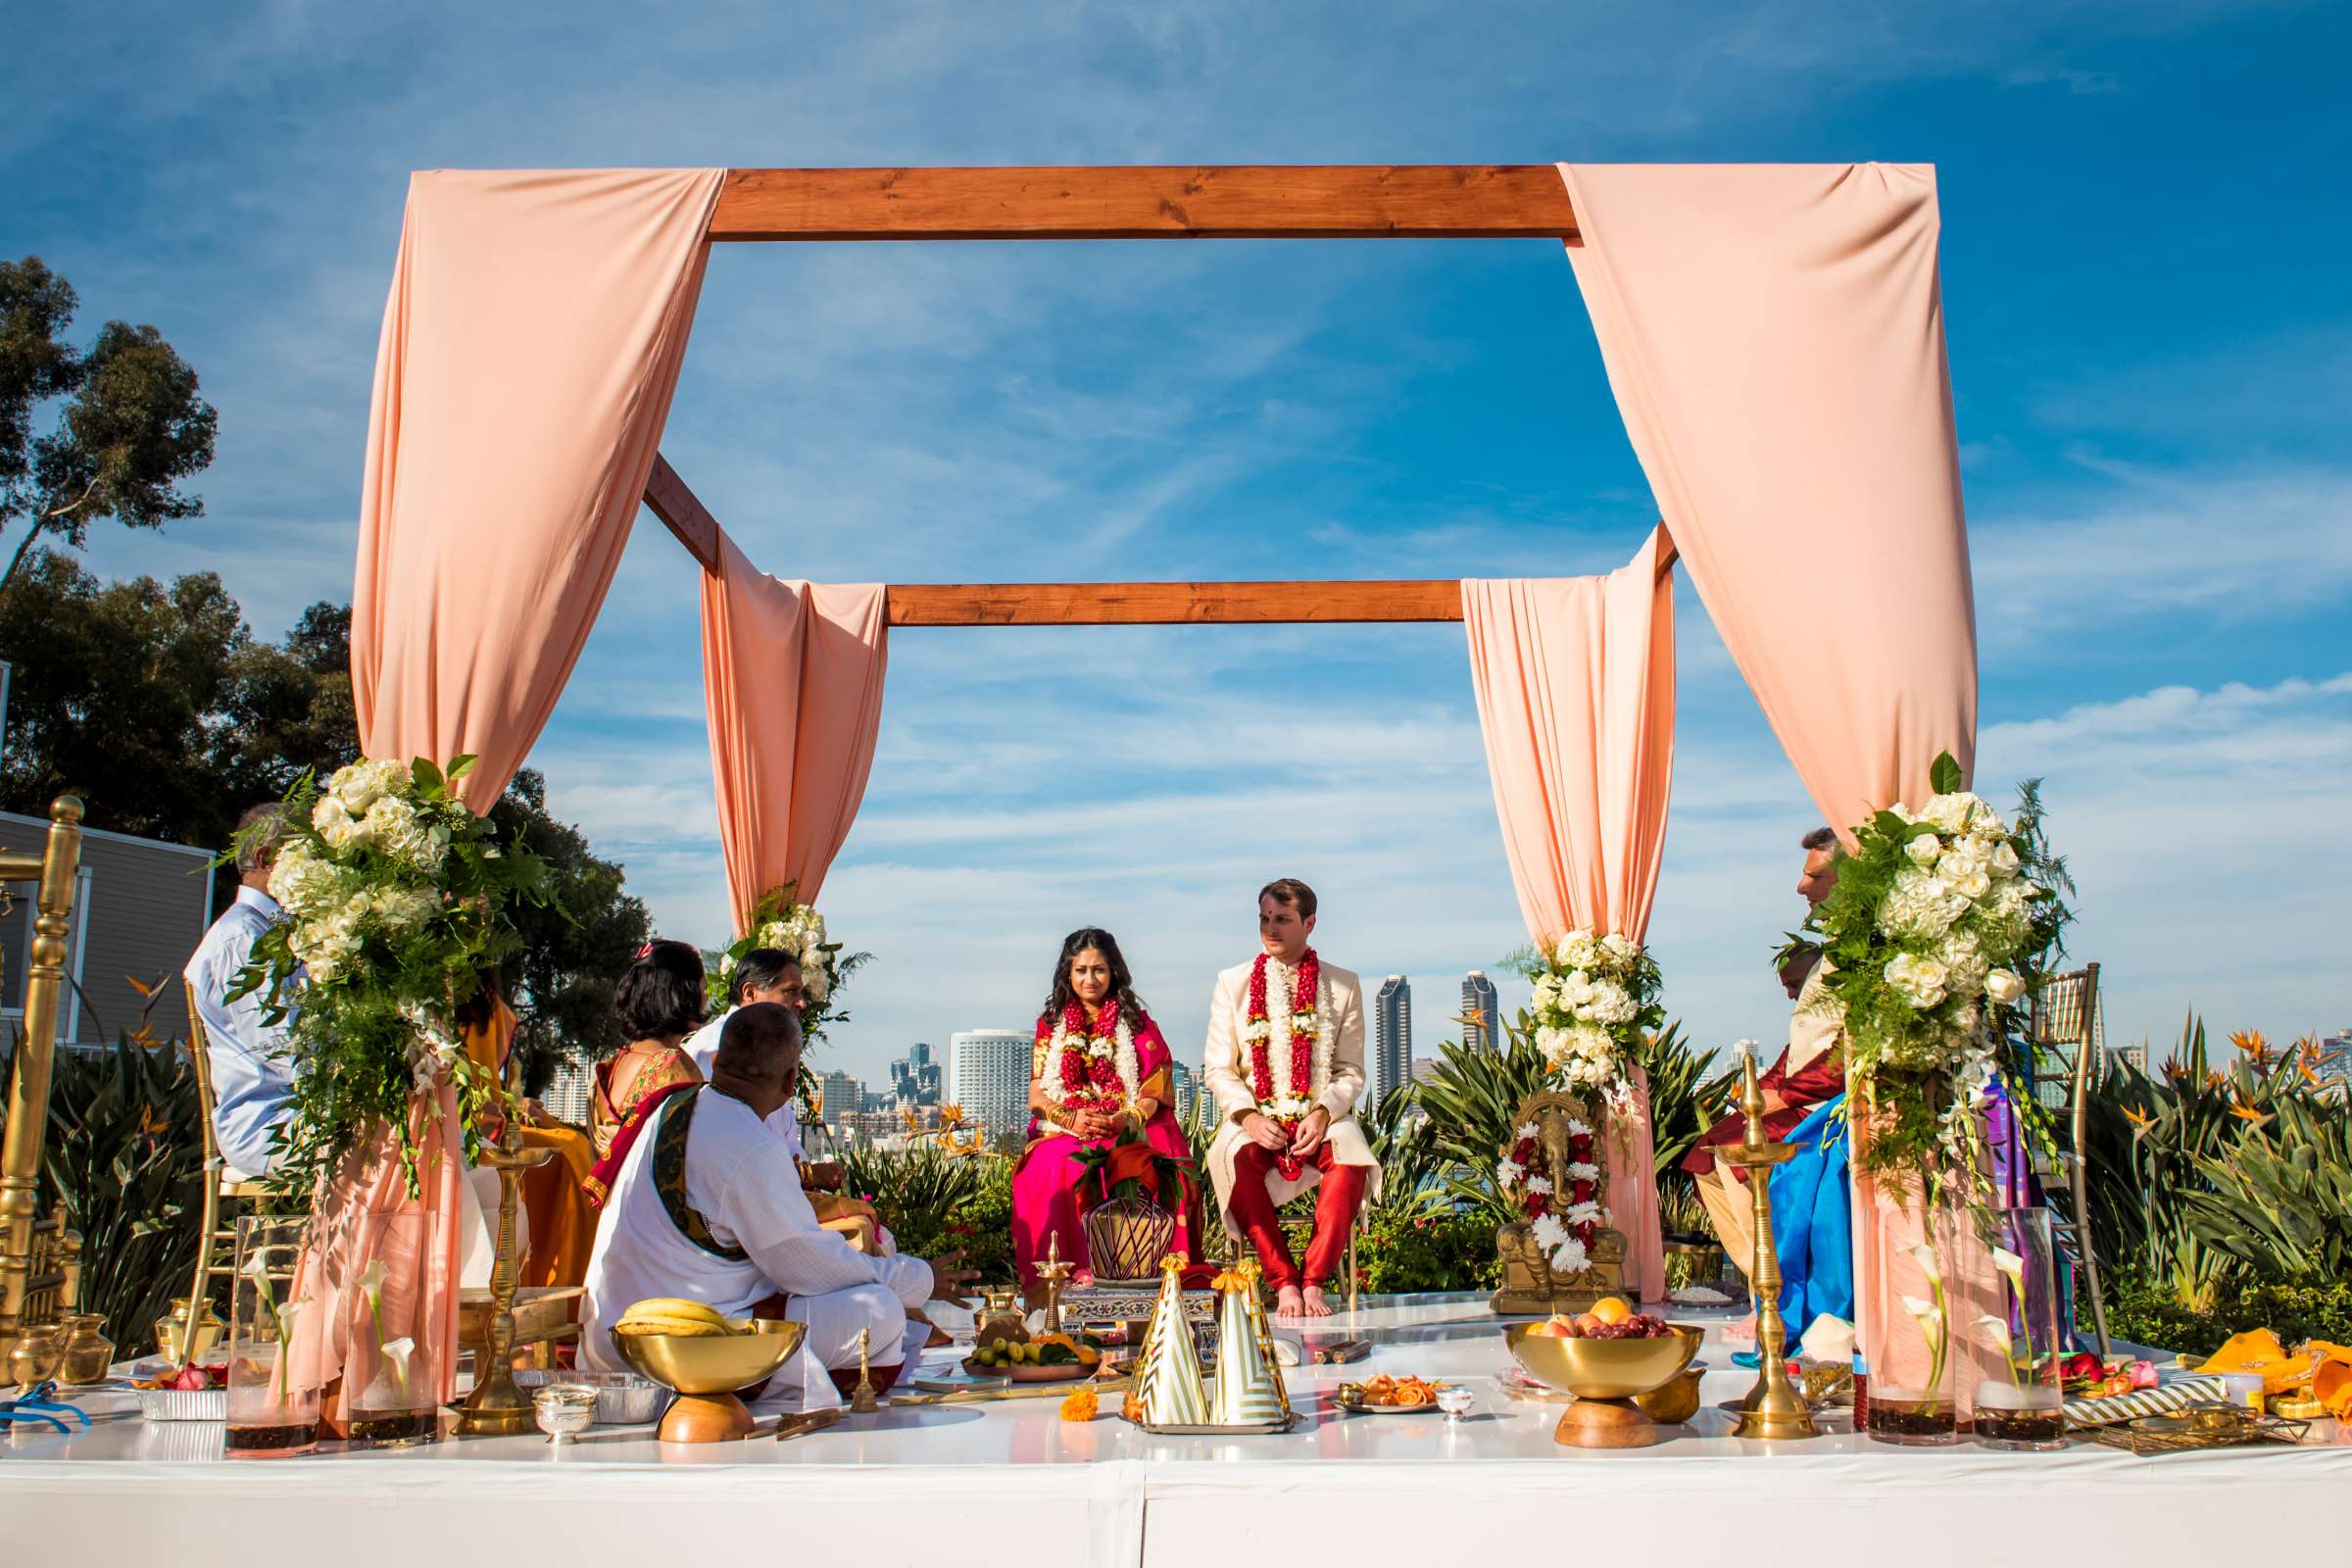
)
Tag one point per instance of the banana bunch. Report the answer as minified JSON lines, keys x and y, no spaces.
{"x":675,"y":1317}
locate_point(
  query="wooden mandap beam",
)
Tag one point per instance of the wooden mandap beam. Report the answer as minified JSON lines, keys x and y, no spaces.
{"x":1231,"y":201}
{"x":1105,"y":603}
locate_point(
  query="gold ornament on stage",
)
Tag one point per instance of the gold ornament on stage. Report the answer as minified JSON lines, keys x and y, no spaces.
{"x":1248,"y":1389}
{"x":1773,"y":1408}
{"x":704,"y":1359}
{"x":1167,"y":1386}
{"x":1530,"y":1283}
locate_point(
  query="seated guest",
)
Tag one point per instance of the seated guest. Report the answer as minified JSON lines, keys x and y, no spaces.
{"x":252,"y":1083}
{"x":558,"y":1219}
{"x":1100,"y":1067}
{"x":707,"y":1206}
{"x":659,"y":1002}
{"x":1285,"y":1062}
{"x":770,"y":975}
{"x":1809,"y":1070}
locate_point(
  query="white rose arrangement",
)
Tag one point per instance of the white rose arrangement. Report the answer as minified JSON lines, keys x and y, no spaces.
{"x":778,"y":921}
{"x":394,"y":900}
{"x":1594,"y":1003}
{"x":1938,"y":919}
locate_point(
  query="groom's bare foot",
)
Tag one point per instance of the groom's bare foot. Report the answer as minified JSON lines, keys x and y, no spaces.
{"x":1289,"y":1304}
{"x":1314,"y":1304}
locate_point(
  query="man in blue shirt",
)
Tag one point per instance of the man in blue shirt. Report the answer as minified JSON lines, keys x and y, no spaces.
{"x":253,"y":1084}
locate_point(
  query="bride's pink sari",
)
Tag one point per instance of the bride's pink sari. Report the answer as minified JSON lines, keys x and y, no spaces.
{"x":1049,"y":1181}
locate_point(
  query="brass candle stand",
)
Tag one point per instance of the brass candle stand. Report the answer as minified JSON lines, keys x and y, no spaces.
{"x":864,"y":1400}
{"x":1053,"y":1273}
{"x":1773,"y":1408}
{"x":497,"y":1409}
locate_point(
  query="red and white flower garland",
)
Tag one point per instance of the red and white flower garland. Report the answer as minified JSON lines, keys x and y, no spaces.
{"x":1288,"y":1080}
{"x":1092,"y":1067}
{"x":1566,"y":1231}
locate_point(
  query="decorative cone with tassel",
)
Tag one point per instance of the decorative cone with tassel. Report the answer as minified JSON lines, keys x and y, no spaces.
{"x":1248,"y":1389}
{"x":1168,"y":1389}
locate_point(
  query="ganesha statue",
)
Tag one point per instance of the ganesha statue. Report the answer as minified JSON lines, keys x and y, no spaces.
{"x":1559,"y":1254}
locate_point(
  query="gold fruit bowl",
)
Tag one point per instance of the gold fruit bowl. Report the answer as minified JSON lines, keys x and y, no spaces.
{"x":712,"y":1363}
{"x":1603,"y":1369}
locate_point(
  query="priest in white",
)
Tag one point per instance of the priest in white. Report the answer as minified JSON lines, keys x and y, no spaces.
{"x":1285,"y":1063}
{"x":770,"y":975}
{"x":708,"y":1207}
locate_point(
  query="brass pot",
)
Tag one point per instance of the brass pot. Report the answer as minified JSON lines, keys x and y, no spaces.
{"x":35,"y":1357}
{"x":1126,"y":1239}
{"x":87,"y":1353}
{"x":167,"y":1331}
{"x":1672,"y":1402}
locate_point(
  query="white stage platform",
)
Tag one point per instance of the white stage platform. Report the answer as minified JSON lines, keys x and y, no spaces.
{"x":1012,"y":1483}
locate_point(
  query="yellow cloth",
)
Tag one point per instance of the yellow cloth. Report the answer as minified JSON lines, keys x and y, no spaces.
{"x":562,"y":1222}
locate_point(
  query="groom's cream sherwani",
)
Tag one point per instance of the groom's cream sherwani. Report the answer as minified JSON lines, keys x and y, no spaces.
{"x":1226,"y":1070}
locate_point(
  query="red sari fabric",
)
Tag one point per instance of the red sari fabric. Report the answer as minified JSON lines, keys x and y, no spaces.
{"x":1819,"y":1079}
{"x":1049,"y":1183}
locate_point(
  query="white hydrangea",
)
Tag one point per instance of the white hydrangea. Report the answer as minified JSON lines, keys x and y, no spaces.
{"x":1621,"y":949}
{"x":1576,"y":950}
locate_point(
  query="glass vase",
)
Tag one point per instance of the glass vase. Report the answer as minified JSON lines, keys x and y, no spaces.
{"x":273,"y":1343}
{"x":2026,"y":1411}
{"x":379,"y":1329}
{"x":1913,"y":1395}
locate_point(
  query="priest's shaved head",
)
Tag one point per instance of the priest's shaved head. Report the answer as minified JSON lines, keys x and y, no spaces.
{"x":759,"y":1049}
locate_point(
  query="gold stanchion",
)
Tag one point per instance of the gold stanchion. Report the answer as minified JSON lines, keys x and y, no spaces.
{"x":1773,"y":1408}
{"x":28,"y":1291}
{"x":497,"y":1409}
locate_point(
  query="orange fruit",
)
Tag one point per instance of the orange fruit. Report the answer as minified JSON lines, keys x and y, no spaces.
{"x":1612,"y":1309}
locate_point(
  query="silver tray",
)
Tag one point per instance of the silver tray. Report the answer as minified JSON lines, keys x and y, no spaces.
{"x":1248,"y":1429}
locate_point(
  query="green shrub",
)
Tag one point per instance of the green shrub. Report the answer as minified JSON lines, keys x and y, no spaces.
{"x":124,"y":1150}
{"x":2144,"y":1311}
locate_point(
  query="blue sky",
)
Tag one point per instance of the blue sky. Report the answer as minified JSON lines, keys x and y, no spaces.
{"x":2151,"y":350}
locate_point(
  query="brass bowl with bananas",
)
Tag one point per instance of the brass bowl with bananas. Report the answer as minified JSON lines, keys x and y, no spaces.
{"x":704,"y":1357}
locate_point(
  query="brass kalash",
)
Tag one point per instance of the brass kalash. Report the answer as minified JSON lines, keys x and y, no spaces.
{"x":1774,"y":1408}
{"x":1529,"y":1285}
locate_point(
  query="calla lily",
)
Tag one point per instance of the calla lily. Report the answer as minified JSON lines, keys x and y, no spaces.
{"x":396,"y":1361}
{"x":286,"y":1316}
{"x":1925,"y":1256}
{"x":2013,"y":1269}
{"x":1928,"y":1312}
{"x":372,"y":1285}
{"x":1995,"y":1332}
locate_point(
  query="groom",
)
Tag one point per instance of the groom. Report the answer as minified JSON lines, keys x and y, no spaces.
{"x":1285,"y":1062}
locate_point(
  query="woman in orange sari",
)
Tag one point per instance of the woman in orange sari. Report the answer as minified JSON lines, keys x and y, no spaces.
{"x":658,"y":1003}
{"x":561,"y":1221}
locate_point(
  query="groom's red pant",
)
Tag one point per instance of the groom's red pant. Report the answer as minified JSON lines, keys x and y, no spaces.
{"x":1338,"y":1197}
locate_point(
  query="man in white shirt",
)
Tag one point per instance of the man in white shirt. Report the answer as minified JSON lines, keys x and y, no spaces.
{"x":708,"y":1207}
{"x":252,"y":1083}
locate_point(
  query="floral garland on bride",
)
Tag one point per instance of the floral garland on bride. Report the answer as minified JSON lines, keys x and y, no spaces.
{"x":1288,"y":1082}
{"x":1092,"y":1066}
{"x":1596,"y":1005}
{"x":1566,"y":1231}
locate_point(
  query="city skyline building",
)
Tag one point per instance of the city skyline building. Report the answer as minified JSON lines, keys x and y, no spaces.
{"x":1390,"y":1065}
{"x":2335,"y":1066}
{"x":1480,"y":1019}
{"x":988,"y":1075}
{"x":914,"y":1078}
{"x":1187,"y":1085}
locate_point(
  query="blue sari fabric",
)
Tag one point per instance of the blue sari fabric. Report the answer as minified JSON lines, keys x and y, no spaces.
{"x":1812,"y":1222}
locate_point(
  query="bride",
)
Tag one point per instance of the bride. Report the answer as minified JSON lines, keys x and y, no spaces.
{"x":1100,"y":1067}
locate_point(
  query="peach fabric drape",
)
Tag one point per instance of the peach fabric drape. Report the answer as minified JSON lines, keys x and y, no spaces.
{"x":792,"y":677}
{"x":530,"y":347}
{"x":1575,"y":685}
{"x":1773,"y":335}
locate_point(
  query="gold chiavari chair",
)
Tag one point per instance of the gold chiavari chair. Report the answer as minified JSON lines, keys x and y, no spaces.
{"x":39,"y":1259}
{"x":2063,"y":1028}
{"x":225,"y":1192}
